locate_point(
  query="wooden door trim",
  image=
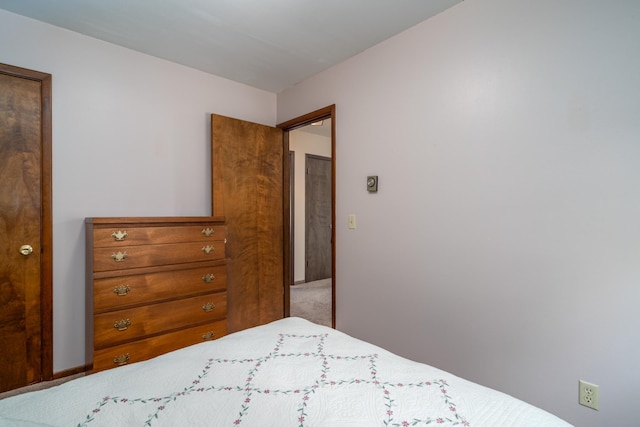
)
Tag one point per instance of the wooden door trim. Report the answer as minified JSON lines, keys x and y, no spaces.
{"x":46,"y":257}
{"x":298,"y":122}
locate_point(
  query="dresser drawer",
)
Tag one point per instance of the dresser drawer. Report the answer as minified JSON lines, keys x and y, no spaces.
{"x":121,"y":326}
{"x":125,"y":257}
{"x":114,"y":292}
{"x":117,"y":236}
{"x":150,"y":347}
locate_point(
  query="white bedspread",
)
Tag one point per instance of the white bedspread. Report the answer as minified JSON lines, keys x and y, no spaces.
{"x":288,"y":373}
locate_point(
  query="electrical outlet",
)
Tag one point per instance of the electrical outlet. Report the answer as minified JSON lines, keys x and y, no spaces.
{"x":589,"y":395}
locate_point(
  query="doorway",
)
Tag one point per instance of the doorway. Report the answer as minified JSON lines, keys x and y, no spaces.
{"x":311,"y":137}
{"x":26,"y":327}
{"x":258,"y":211}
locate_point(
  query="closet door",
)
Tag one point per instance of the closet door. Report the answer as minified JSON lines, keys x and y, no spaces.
{"x":25,"y":227}
{"x":247,"y":189}
{"x":318,"y":225}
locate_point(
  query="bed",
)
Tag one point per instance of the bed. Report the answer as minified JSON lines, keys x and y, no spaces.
{"x":287,"y":373}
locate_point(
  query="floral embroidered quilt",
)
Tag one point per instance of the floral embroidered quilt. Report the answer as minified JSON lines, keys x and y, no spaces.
{"x":287,"y":373}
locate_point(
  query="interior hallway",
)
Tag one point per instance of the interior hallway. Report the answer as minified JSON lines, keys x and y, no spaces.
{"x":312,"y":301}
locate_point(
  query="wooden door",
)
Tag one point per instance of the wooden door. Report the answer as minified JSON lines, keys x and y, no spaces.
{"x":25,"y":227}
{"x":317,"y":218}
{"x":247,"y":189}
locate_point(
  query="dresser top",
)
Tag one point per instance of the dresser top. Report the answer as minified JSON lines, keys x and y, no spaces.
{"x":154,"y":220}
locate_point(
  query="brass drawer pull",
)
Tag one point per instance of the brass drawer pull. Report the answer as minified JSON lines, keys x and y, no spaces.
{"x":208,"y":249}
{"x":208,"y":336}
{"x":208,"y":307}
{"x":119,"y":256}
{"x":122,"y":359}
{"x":122,"y":325}
{"x":208,"y":232}
{"x":119,"y":236}
{"x":122,"y":290}
{"x":208,"y":278}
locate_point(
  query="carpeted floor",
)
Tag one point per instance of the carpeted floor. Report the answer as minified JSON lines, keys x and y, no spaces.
{"x":312,"y":301}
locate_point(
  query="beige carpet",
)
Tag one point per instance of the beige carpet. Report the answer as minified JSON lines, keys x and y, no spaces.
{"x":312,"y":301}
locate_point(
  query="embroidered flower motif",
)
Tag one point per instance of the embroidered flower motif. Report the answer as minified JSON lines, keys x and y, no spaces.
{"x":383,"y":383}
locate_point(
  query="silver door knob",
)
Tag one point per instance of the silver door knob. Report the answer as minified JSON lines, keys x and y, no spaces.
{"x":26,"y":250}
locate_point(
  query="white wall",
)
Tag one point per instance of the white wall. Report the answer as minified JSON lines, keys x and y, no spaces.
{"x":303,"y":143}
{"x":131,"y":137}
{"x":504,"y":242}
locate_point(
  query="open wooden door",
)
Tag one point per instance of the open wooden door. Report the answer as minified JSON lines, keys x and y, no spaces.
{"x":247,"y":189}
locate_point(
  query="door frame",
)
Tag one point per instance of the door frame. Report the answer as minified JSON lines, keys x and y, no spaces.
{"x":46,"y":221}
{"x":298,"y":122}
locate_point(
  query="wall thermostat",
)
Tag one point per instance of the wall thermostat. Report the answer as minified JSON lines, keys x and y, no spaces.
{"x":372,"y":183}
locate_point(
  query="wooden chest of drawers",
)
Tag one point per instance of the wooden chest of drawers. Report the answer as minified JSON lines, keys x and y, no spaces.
{"x":153,"y":285}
